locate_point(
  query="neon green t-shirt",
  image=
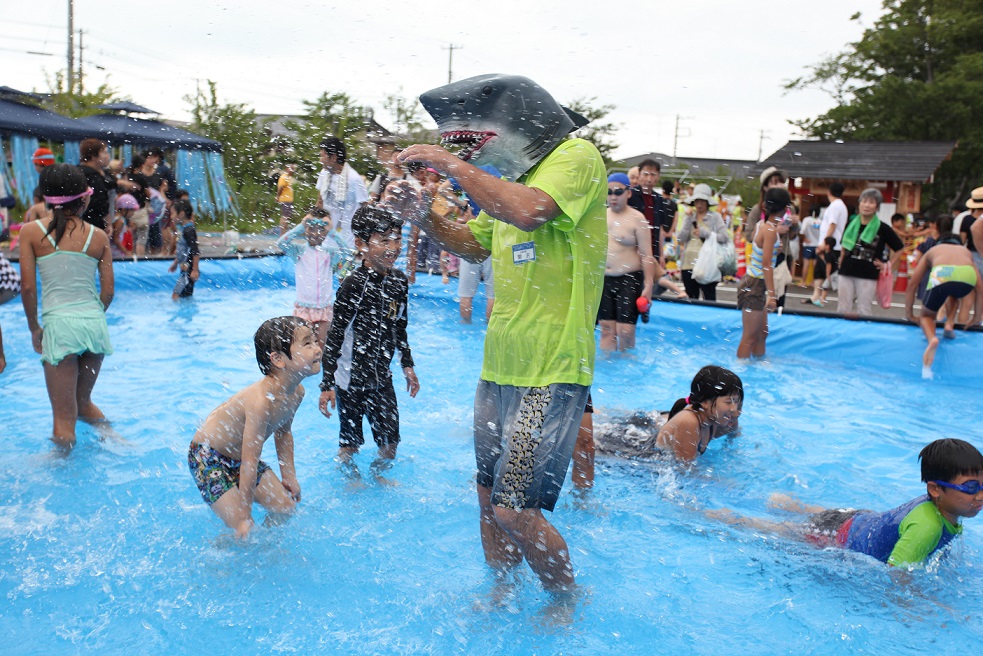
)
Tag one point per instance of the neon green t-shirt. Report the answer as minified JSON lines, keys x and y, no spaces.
{"x":541,"y":330}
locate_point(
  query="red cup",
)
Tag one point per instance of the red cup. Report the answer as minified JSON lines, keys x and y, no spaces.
{"x":643,"y":304}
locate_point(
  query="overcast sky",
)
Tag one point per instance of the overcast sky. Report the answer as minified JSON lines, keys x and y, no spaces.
{"x":719,"y":65}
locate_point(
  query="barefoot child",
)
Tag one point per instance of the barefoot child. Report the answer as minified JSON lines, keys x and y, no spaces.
{"x":315,"y":257}
{"x":902,"y":537}
{"x":186,"y":254}
{"x":951,"y":275}
{"x":224,"y":456}
{"x":756,"y":291}
{"x":68,"y":254}
{"x":369,"y":325}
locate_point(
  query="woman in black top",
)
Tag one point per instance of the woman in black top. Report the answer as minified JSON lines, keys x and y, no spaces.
{"x":95,"y":160}
{"x":868,"y":246}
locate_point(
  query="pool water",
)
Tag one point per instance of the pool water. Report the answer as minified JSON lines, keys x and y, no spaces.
{"x":111,"y":549}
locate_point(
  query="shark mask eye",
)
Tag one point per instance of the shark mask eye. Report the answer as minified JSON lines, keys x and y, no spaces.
{"x":487,"y":91}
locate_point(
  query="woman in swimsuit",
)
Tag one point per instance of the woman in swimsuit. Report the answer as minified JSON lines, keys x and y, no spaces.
{"x":710,"y":411}
{"x":74,"y":338}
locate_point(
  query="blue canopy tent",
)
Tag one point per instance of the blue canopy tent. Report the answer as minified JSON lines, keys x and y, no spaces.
{"x":198,"y":169}
{"x":24,"y":125}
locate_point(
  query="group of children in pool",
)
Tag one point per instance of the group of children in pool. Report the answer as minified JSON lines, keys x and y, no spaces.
{"x":369,"y":324}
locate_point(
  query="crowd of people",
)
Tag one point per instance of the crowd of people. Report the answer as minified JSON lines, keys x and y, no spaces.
{"x":566,"y":251}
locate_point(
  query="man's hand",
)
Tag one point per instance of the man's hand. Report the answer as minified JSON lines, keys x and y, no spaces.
{"x":405,"y":202}
{"x":434,"y":157}
{"x":193,"y":276}
{"x":326,"y":398}
{"x":412,"y":384}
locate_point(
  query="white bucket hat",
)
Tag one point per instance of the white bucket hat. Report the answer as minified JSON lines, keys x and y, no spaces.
{"x":702,"y":192}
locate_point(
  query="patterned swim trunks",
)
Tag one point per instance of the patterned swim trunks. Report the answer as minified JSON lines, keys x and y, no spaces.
{"x":216,"y":473}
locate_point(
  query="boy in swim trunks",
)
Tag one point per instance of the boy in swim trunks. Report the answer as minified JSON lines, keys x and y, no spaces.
{"x":224,"y":456}
{"x":905,"y":536}
{"x":951,"y":275}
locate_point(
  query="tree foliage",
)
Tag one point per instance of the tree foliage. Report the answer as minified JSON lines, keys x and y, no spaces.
{"x":77,"y":103}
{"x":407,"y":121}
{"x":599,"y":132}
{"x":916,"y":74}
{"x":332,"y":114}
{"x":236,"y":126}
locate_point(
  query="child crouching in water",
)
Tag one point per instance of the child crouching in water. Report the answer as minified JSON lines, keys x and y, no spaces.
{"x":369,"y":325}
{"x":315,"y":257}
{"x":224,"y":454}
{"x":905,"y":536}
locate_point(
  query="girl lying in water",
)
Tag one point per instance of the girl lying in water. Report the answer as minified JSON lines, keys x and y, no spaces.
{"x":711,"y":410}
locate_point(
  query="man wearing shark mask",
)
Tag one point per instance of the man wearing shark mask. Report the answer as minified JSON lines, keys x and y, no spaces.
{"x":544,"y":226}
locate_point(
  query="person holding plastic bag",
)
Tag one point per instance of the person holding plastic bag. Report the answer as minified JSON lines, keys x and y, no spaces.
{"x":698,"y":227}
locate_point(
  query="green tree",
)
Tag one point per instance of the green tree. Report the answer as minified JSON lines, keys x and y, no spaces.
{"x":916,"y":74}
{"x":77,"y":104}
{"x":332,"y":114}
{"x":599,"y":132}
{"x":406,"y":118}
{"x":235,"y":125}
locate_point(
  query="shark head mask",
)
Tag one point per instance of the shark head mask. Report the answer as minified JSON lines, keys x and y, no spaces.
{"x":507,"y":121}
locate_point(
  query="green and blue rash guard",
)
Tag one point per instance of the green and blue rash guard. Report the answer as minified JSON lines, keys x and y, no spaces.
{"x":906,"y":535}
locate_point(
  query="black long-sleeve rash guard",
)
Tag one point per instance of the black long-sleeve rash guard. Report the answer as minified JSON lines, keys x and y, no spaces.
{"x":369,"y":324}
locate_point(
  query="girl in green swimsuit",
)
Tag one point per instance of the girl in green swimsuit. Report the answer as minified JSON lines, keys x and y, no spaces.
{"x":74,"y":337}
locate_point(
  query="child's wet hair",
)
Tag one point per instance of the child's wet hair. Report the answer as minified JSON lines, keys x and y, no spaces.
{"x":709,"y":383}
{"x":182,"y":207}
{"x":62,"y":180}
{"x":276,"y":336}
{"x":776,"y":200}
{"x":943,"y":460}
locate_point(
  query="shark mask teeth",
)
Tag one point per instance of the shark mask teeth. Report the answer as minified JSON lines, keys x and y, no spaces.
{"x":470,"y":141}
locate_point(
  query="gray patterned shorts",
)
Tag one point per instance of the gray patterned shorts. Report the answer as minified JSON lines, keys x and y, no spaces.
{"x":524,"y":439}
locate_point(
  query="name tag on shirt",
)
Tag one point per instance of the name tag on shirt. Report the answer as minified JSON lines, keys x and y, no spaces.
{"x":524,"y":252}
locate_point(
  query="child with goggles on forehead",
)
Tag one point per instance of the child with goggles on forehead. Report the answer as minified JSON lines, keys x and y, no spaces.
{"x":905,"y":536}
{"x":318,"y":252}
{"x":370,"y":324}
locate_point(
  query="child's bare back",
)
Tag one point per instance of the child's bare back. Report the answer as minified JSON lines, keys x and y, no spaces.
{"x":255,"y":407}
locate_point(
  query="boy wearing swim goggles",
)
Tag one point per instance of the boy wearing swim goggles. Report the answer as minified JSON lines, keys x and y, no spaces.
{"x":905,"y":536}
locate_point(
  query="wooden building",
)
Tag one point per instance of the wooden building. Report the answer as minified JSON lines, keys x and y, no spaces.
{"x":897,"y":169}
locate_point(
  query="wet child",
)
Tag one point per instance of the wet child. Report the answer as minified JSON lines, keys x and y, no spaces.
{"x":711,"y":410}
{"x":317,"y":252}
{"x":369,"y":325}
{"x":905,"y":536}
{"x":186,"y":254}
{"x":68,"y":254}
{"x":121,"y":238}
{"x":756,"y":295}
{"x":952,"y":275}
{"x":224,"y":456}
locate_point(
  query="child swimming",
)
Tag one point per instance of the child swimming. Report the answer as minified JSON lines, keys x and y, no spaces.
{"x":710,"y":411}
{"x":905,"y":536}
{"x":224,"y":456}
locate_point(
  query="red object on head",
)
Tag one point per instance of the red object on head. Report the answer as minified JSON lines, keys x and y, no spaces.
{"x":643,"y":304}
{"x":43,"y":157}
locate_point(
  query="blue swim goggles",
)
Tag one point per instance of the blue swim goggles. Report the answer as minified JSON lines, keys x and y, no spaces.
{"x":971,"y":488}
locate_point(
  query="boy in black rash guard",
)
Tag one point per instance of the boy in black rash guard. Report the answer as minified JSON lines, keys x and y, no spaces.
{"x":369,"y":325}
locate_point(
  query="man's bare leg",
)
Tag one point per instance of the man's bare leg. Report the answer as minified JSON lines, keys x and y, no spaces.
{"x":501,"y":552}
{"x":583,"y":454}
{"x":542,"y":545}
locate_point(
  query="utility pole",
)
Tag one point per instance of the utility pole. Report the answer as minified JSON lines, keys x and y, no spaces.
{"x":761,"y":142}
{"x":71,"y":45}
{"x":81,"y":59}
{"x":450,"y":60}
{"x":675,"y":139}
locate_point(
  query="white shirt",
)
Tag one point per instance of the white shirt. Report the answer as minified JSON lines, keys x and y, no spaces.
{"x":811,"y":231}
{"x":835,"y":213}
{"x":342,"y":195}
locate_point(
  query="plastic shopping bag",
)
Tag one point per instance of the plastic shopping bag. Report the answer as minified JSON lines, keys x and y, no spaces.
{"x":727,"y":259}
{"x":885,"y":286}
{"x":705,"y":269}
